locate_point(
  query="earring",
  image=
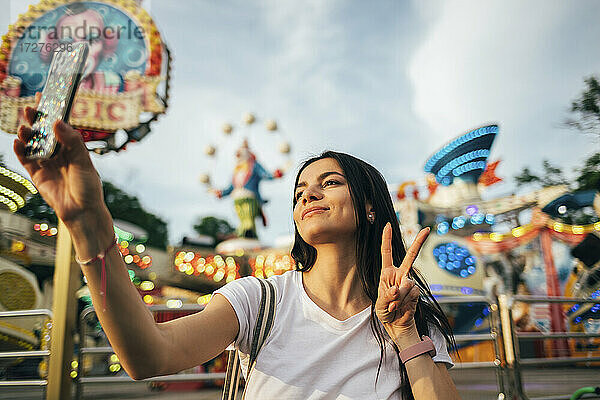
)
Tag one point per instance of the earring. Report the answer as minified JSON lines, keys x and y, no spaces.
{"x":370,"y":217}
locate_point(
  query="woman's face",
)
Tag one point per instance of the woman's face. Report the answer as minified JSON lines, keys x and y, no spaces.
{"x":322,"y":184}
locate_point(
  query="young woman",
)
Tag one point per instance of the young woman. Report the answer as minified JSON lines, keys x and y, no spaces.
{"x":343,"y":318}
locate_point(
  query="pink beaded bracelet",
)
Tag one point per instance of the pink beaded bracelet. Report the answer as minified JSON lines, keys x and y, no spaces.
{"x":100,"y":256}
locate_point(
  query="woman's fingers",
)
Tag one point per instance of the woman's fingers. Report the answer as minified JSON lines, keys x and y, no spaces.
{"x":386,"y":247}
{"x":383,"y":301}
{"x":24,"y":133}
{"x":399,"y":295}
{"x":68,"y":136}
{"x":413,"y":251}
{"x":413,"y":295}
{"x":387,"y":297}
{"x":65,"y":134}
{"x":403,"y":291}
{"x":408,"y":295}
{"x":31,"y":166}
{"x":30,"y":114}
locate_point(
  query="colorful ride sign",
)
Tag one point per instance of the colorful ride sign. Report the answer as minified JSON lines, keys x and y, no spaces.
{"x":121,"y":88}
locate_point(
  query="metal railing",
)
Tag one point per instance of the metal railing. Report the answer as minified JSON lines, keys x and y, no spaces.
{"x":80,"y":380}
{"x":513,"y":338}
{"x":503,"y":334}
{"x":493,"y":336}
{"x":28,"y":353}
{"x":497,"y":365}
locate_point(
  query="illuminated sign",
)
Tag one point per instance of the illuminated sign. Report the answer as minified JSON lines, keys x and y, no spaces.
{"x":126,"y":64}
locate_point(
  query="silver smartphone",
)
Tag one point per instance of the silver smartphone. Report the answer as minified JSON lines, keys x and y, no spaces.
{"x":57,"y":98}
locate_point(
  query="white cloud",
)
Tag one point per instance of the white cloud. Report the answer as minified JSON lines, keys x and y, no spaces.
{"x":509,"y":62}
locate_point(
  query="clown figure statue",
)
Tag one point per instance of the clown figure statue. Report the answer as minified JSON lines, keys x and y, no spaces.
{"x":244,"y":189}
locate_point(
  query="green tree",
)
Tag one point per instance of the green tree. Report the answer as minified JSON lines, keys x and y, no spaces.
{"x":218,"y":229}
{"x":587,"y":178}
{"x":121,"y":206}
{"x":550,"y":176}
{"x":128,"y":208}
{"x":589,"y":174}
{"x":586,"y":108}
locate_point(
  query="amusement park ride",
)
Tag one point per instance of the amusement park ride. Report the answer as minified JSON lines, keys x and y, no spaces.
{"x":515,"y":244}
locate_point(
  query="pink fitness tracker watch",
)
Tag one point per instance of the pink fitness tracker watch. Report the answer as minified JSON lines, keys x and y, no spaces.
{"x":425,"y":346}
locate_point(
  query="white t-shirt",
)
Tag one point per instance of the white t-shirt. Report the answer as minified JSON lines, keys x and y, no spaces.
{"x":309,"y":354}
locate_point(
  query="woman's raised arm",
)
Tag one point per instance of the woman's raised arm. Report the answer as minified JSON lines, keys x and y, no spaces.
{"x":71,"y":186}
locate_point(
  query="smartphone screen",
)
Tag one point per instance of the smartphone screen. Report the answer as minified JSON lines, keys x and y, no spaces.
{"x":57,"y":98}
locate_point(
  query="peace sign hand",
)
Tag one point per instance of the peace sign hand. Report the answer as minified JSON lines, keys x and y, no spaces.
{"x":397,"y":294}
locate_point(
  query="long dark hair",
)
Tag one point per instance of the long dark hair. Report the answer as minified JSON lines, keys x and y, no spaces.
{"x":367,"y":184}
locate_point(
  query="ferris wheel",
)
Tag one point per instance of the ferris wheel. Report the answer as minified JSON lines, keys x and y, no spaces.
{"x":264,"y":137}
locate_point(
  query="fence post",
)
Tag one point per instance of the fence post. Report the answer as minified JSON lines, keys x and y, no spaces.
{"x":509,"y":353}
{"x":505,"y":303}
{"x":64,"y":309}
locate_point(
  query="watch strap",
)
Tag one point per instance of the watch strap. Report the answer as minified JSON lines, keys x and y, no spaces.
{"x":425,"y":346}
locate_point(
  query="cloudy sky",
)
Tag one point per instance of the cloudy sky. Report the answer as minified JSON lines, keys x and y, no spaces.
{"x":387,"y":81}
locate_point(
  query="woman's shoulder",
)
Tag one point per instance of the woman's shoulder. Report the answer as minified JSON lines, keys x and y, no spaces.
{"x":285,"y":284}
{"x":245,"y":293}
{"x":250,"y":285}
{"x":285,"y":278}
{"x":278,"y":280}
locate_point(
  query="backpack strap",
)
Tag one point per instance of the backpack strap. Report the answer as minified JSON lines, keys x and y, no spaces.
{"x":232,"y":378}
{"x":264,"y":323}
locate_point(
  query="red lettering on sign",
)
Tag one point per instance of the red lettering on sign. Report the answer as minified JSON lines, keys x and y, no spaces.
{"x":80,"y":109}
{"x":111,"y":111}
{"x":98,"y":110}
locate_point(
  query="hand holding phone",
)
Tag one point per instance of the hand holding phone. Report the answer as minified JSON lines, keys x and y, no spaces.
{"x":68,"y":181}
{"x":57,"y":98}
